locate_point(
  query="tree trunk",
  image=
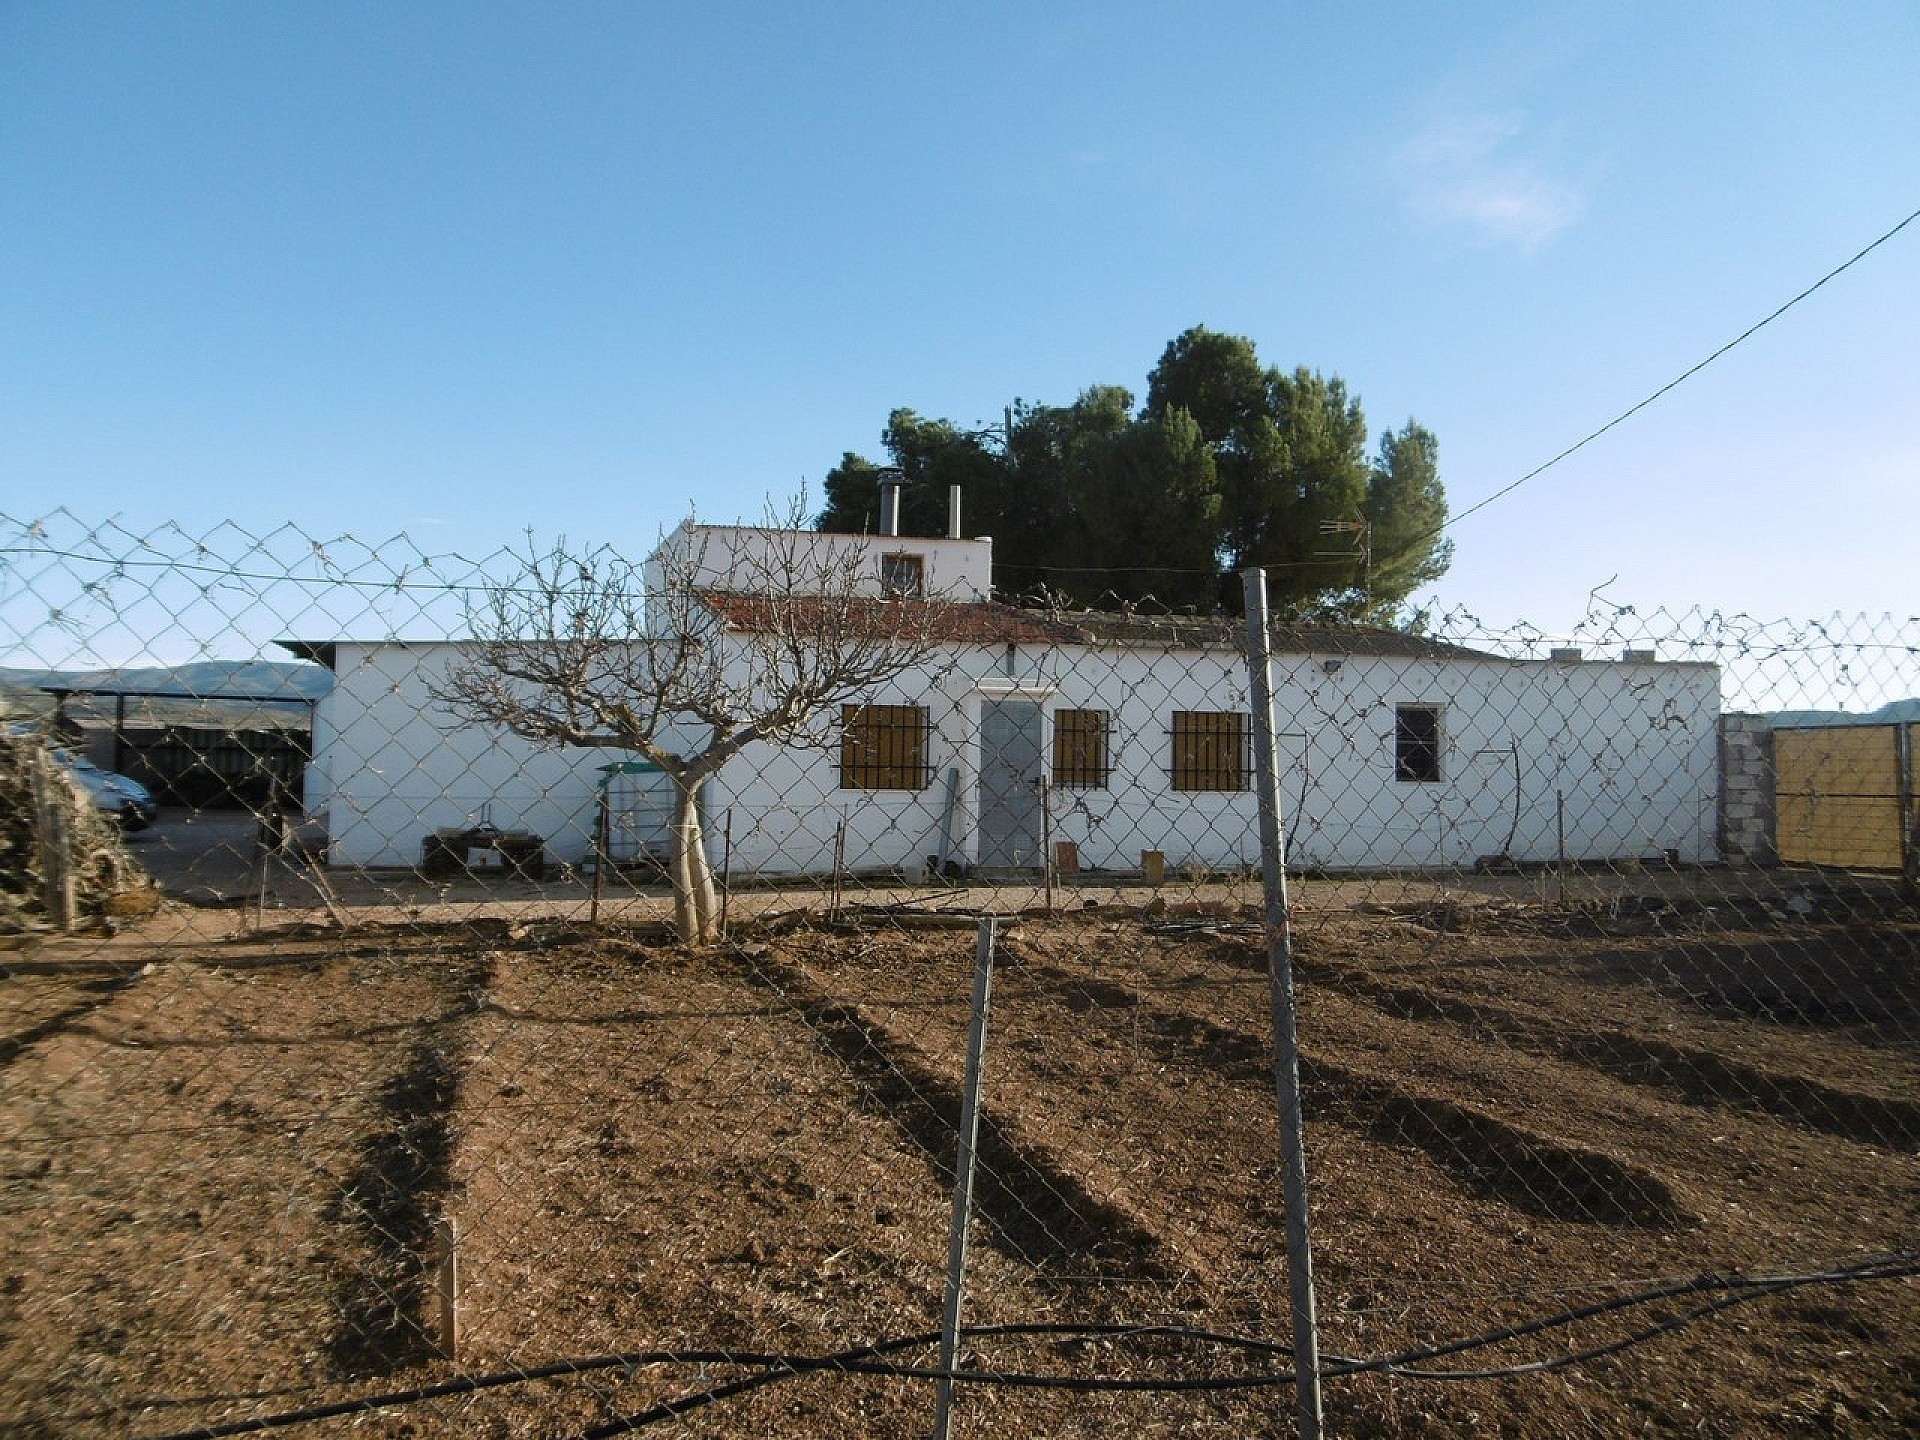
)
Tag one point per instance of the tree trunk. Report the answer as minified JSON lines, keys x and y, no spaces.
{"x":696,"y":902}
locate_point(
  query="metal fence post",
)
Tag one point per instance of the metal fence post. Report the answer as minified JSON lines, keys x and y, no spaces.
{"x":602,"y":851}
{"x":963,"y":1176}
{"x":1286,"y":1054}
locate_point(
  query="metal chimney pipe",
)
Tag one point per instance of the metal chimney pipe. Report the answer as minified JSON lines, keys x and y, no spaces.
{"x":953,"y":512}
{"x":890,"y":481}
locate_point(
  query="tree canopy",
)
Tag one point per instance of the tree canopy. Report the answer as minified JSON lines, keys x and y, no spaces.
{"x":1226,"y":465}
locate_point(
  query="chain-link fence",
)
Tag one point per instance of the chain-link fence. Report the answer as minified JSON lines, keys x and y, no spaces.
{"x":356,"y":1077}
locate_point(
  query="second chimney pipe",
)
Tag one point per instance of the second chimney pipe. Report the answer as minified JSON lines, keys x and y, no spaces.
{"x":953,"y":512}
{"x":890,"y":501}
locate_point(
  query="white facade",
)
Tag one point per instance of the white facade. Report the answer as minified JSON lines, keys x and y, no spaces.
{"x":1622,"y":754}
{"x":390,"y":766}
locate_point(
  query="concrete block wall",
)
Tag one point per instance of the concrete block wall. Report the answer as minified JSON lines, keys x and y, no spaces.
{"x":1746,"y":816}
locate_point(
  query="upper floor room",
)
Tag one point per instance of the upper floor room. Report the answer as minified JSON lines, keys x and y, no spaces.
{"x":766,"y":559}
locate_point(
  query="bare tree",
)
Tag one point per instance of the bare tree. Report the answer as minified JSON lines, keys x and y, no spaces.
{"x":585,"y":648}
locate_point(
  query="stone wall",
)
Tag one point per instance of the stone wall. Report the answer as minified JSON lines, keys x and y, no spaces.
{"x":1746,"y":790}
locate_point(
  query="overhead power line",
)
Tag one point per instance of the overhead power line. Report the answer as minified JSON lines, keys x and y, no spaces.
{"x":1677,"y":380}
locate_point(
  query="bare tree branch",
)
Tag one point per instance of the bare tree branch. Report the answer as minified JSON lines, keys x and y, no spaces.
{"x":584,"y":648}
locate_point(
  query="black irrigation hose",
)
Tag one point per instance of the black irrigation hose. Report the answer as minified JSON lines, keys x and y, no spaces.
{"x":471,"y":1384}
{"x":1596,"y":1352}
{"x":1742,"y":1290}
{"x":1730,"y":1290}
{"x":771,"y":1366}
{"x":853,"y":1363}
{"x":1734,"y":1290}
{"x":1890,"y":1266}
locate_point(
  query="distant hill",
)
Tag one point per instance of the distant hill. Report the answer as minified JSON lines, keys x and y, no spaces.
{"x":1894,"y":712}
{"x":254,"y":680}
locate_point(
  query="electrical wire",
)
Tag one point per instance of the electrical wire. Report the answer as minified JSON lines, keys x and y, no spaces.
{"x":1727,"y":1291}
{"x":1412,"y":544}
{"x":1632,"y":410}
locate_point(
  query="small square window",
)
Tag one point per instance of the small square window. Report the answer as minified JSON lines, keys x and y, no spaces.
{"x":1416,"y":742}
{"x":903,"y":576}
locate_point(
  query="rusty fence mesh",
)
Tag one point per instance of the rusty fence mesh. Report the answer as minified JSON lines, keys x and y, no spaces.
{"x":355,"y":1075}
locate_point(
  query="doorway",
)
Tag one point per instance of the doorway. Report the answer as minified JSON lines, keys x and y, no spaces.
{"x":1011,"y":823}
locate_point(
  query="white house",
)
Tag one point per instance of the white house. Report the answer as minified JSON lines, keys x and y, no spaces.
{"x":1115,"y":734}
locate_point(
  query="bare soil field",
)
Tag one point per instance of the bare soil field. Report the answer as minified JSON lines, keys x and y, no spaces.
{"x":223,"y":1158}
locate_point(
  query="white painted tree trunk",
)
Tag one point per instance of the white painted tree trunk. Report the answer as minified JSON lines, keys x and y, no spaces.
{"x":696,"y":901}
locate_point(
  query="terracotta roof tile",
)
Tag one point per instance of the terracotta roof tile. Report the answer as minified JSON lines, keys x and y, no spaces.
{"x":971,"y":623}
{"x":985,"y":623}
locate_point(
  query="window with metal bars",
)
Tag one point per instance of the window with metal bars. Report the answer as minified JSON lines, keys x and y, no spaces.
{"x":1080,"y":749}
{"x":1416,"y":742}
{"x":1209,"y":750}
{"x":883,"y":747}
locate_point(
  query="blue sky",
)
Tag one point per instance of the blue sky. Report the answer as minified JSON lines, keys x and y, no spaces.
{"x":462,"y":270}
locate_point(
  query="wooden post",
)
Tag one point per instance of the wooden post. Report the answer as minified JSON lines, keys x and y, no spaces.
{"x":602,"y":846}
{"x":258,"y":870}
{"x":839,"y":865}
{"x":53,"y":834}
{"x":726,"y":869}
{"x":66,"y":901}
{"x":1903,"y":745}
{"x":120,"y":730}
{"x":447,"y":1288}
{"x":1560,"y":847}
{"x":1046,"y":838}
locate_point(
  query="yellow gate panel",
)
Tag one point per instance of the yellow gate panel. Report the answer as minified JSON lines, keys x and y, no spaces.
{"x":1837,"y":796}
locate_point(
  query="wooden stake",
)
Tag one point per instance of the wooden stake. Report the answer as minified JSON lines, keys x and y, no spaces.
{"x":726,"y":871}
{"x":258,"y":885}
{"x":603,"y":849}
{"x":445,"y":1237}
{"x":53,"y":831}
{"x":1046,"y":840}
{"x":839,"y":867}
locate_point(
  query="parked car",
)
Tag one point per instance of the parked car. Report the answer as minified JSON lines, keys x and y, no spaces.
{"x":111,"y":793}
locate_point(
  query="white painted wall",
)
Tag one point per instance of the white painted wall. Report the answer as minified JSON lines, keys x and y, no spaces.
{"x":1631,"y":747}
{"x":396,"y":767}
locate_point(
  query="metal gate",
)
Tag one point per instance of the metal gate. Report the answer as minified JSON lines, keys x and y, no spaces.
{"x":1844,"y":795}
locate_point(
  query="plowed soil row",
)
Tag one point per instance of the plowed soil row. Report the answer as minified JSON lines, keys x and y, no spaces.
{"x":221,"y":1176}
{"x":1460,"y":1182}
{"x":212,"y":1186}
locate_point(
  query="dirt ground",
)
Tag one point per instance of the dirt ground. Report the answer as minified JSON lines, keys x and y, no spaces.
{"x":227,"y":1135}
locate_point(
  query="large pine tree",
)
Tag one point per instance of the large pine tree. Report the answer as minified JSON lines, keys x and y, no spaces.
{"x":1228,"y":464}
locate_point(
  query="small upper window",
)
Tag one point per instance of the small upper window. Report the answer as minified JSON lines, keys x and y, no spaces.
{"x":903,"y":576}
{"x":1416,"y":742}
